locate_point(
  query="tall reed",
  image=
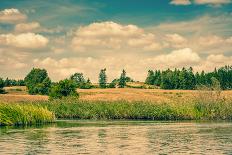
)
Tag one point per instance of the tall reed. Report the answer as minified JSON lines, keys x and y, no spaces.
{"x":24,"y":114}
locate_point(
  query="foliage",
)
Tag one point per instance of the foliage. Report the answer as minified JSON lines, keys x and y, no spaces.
{"x":63,"y":88}
{"x":186,"y":79}
{"x":122,"y":79}
{"x":80,"y":81}
{"x":24,"y":114}
{"x":69,"y":108}
{"x":12,"y":82}
{"x":102,"y":78}
{"x":1,"y":86}
{"x":38,"y":82}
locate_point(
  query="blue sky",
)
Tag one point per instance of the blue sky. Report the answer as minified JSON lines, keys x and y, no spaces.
{"x":86,"y":35}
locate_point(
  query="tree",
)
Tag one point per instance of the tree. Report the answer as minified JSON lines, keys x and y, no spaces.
{"x":122,"y":79}
{"x":80,"y":81}
{"x":37,"y":81}
{"x":150,"y":77}
{"x":1,"y":86}
{"x":63,"y":88}
{"x":102,"y":78}
{"x":7,"y":82}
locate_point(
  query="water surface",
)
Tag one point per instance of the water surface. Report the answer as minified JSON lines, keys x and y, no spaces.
{"x":118,"y":137}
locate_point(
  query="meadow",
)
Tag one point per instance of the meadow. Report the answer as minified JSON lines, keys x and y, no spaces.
{"x":17,"y":107}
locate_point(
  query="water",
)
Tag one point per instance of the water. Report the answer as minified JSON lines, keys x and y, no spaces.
{"x":118,"y":137}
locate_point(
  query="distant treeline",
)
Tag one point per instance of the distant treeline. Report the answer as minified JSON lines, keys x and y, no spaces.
{"x":38,"y":81}
{"x":187,"y":79}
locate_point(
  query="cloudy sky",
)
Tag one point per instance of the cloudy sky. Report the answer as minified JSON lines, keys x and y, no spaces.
{"x":86,"y":35}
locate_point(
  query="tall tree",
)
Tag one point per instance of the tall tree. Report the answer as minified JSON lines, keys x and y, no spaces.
{"x":102,"y":78}
{"x":1,"y":86}
{"x":122,"y":79}
{"x":37,"y":81}
{"x":150,"y":77}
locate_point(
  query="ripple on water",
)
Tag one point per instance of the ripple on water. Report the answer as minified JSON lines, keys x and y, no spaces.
{"x":119,"y":137}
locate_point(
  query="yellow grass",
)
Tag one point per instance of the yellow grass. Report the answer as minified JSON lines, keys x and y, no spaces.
{"x":114,"y":94}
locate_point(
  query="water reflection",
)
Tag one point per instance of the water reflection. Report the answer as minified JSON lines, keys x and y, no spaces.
{"x":118,"y":137}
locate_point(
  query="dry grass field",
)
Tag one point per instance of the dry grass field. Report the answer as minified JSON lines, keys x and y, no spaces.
{"x":17,"y":94}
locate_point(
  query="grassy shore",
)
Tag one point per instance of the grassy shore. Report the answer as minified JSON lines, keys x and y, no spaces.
{"x":70,"y":109}
{"x":180,"y":105}
{"x":24,"y":114}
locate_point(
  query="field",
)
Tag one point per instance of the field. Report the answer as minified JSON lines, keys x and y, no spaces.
{"x":17,"y":94}
{"x":118,"y":103}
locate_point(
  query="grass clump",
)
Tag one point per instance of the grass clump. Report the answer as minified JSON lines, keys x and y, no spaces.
{"x":79,"y":109}
{"x":24,"y":114}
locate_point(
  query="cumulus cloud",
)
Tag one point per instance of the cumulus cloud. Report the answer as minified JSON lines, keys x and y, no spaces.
{"x":212,"y":2}
{"x":176,"y":40}
{"x":180,"y":2}
{"x":27,"y":27}
{"x":24,"y":40}
{"x":179,"y":58}
{"x":210,"y":40}
{"x":110,"y":35}
{"x":213,"y":61}
{"x":12,"y":16}
{"x":90,"y":66}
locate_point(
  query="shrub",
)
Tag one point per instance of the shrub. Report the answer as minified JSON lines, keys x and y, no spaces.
{"x":64,"y":88}
{"x":38,"y":82}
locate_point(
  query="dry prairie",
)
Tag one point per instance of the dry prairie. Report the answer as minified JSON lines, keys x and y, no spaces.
{"x":129,"y":94}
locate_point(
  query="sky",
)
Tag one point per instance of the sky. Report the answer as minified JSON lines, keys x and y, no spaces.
{"x":68,"y":36}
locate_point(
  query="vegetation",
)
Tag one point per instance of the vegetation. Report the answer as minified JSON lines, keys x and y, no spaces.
{"x":63,"y":88}
{"x":186,"y":79}
{"x":102,"y":78}
{"x":122,"y":79}
{"x":12,"y":82}
{"x":196,"y":110}
{"x":80,"y":81}
{"x":24,"y":114}
{"x":1,"y":86}
{"x":38,"y":82}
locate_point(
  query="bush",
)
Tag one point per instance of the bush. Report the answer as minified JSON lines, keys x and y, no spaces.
{"x":62,"y":89}
{"x":38,"y":82}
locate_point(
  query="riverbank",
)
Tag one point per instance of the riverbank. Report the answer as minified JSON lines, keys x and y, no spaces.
{"x":77,"y":109}
{"x":202,"y":105}
{"x":24,"y":114}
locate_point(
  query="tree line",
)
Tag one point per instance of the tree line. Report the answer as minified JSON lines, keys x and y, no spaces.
{"x":187,"y":79}
{"x":37,"y":81}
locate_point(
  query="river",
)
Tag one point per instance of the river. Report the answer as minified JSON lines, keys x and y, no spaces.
{"x":118,"y":137}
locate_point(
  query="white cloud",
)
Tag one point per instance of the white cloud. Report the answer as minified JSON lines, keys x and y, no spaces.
{"x":213,"y":61}
{"x":212,"y":2}
{"x":24,"y":40}
{"x":12,"y":16}
{"x":180,"y":2}
{"x":177,"y":58}
{"x":135,"y":65}
{"x":113,"y":36}
{"x":210,"y":40}
{"x":27,"y":27}
{"x":176,"y":40}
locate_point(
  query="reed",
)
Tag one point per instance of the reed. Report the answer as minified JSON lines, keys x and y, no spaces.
{"x":24,"y":114}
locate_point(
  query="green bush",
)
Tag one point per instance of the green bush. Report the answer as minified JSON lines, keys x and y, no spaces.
{"x":38,"y":82}
{"x":63,"y":88}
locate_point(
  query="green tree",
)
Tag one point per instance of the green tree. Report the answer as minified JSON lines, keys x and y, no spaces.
{"x":122,"y":79}
{"x":63,"y":88}
{"x":38,"y":82}
{"x":150,"y":77}
{"x":102,"y":78}
{"x":1,"y":86}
